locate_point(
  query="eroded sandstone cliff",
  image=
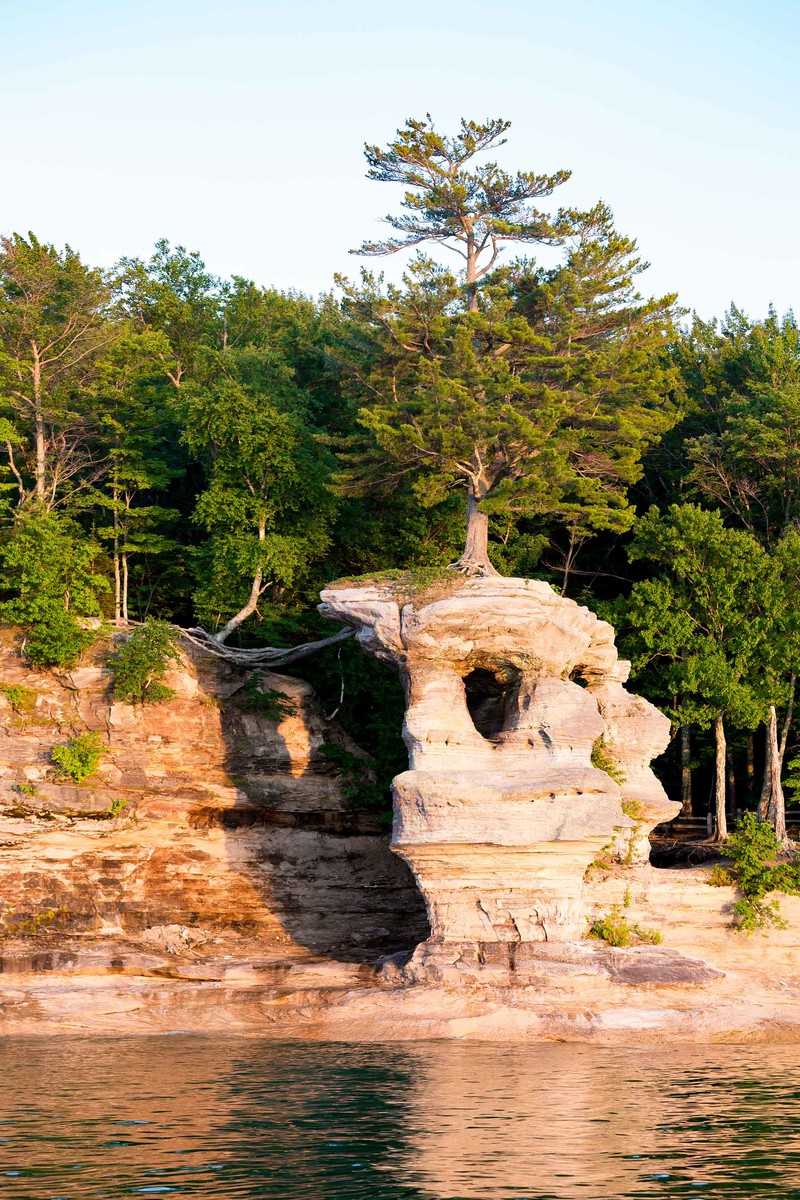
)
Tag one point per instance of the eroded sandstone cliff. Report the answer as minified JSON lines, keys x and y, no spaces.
{"x":202,"y":817}
{"x":515,"y":697}
{"x":213,"y":877}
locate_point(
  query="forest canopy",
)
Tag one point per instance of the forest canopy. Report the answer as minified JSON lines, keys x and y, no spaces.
{"x":194,"y":450}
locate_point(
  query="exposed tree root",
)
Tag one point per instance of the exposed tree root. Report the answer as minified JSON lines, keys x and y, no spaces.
{"x":260,"y":656}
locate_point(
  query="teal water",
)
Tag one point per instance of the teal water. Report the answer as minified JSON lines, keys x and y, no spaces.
{"x":224,"y":1118}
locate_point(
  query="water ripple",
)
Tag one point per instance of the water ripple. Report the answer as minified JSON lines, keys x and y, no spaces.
{"x":223,"y":1118}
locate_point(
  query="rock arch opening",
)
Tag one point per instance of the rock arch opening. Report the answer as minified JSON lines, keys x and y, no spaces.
{"x":491,"y":698}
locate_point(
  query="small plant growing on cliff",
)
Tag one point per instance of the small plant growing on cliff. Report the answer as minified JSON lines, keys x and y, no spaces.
{"x":21,"y":699}
{"x":34,"y":926}
{"x":140,"y":663}
{"x":615,"y":929}
{"x":719,"y":876}
{"x":78,"y":759}
{"x":269,"y":703}
{"x":26,"y":789}
{"x":604,"y":762}
{"x":758,"y":871}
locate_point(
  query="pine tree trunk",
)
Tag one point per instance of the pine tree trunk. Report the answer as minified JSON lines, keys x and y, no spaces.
{"x":475,"y":559}
{"x":472,"y":270}
{"x":686,"y":772}
{"x":720,"y":818}
{"x":751,"y":766}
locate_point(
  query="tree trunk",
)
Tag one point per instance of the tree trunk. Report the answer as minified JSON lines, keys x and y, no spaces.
{"x":252,"y":603}
{"x":117,"y":581}
{"x":124,"y":586}
{"x":763,"y":799}
{"x":751,"y":766}
{"x":776,"y":806}
{"x":787,"y":723}
{"x":475,"y":559}
{"x":472,"y":270}
{"x":720,"y":818}
{"x":39,"y":433}
{"x":731,"y":786}
{"x":574,"y":547}
{"x":686,"y":772}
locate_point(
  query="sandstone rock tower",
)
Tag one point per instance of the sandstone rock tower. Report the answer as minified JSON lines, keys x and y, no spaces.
{"x":509,"y":690}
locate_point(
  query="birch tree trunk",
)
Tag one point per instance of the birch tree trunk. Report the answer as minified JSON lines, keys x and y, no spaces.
{"x":720,"y":816}
{"x":776,"y":806}
{"x":117,"y":581}
{"x":124,"y":586}
{"x":38,"y":423}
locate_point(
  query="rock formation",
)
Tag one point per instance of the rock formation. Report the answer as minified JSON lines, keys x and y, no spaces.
{"x":515,"y":703}
{"x":204,"y":817}
{"x":213,"y":877}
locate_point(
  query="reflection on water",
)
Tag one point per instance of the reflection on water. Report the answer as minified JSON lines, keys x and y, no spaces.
{"x":428,"y":1121}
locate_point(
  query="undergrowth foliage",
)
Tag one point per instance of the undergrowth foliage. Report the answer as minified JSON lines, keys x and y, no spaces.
{"x":21,"y":699}
{"x":615,"y":929}
{"x":757,"y":872}
{"x":140,"y":663}
{"x":78,"y":759}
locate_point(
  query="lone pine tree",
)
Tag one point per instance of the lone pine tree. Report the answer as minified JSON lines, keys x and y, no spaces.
{"x":538,"y":390}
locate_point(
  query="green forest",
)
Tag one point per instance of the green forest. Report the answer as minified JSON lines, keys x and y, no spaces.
{"x":210,"y":452}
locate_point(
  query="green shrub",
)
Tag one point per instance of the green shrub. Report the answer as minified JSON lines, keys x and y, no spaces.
{"x":719,"y":876}
{"x":615,"y":929}
{"x":43,"y":922}
{"x":52,"y":563}
{"x":755,"y":851}
{"x":79,"y":758}
{"x":57,"y":640}
{"x":21,"y":699}
{"x":25,"y":789}
{"x":267,"y":703}
{"x":140,"y":663}
{"x":604,"y":762}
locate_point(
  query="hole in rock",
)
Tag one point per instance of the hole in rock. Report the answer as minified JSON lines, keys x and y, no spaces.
{"x":491,"y":697}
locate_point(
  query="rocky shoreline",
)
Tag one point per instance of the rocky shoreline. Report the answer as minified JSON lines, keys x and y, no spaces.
{"x":211,"y":877}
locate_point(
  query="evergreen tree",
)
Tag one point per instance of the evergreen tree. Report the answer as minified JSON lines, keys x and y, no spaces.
{"x":471,"y":211}
{"x":541,"y":400}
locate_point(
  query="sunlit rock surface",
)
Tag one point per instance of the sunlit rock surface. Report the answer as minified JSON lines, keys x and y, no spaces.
{"x":212,"y":877}
{"x":201,"y":815}
{"x":510,"y":688}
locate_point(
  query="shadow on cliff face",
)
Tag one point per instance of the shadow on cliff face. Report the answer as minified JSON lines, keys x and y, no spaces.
{"x":324,"y":870}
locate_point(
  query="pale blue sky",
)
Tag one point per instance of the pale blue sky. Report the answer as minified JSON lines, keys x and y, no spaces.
{"x":237,"y":128}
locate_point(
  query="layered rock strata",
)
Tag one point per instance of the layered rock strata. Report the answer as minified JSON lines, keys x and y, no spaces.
{"x":206,"y":824}
{"x":515,"y":705}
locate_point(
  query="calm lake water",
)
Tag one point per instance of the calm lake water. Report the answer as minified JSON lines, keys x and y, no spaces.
{"x":456,"y":1121}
